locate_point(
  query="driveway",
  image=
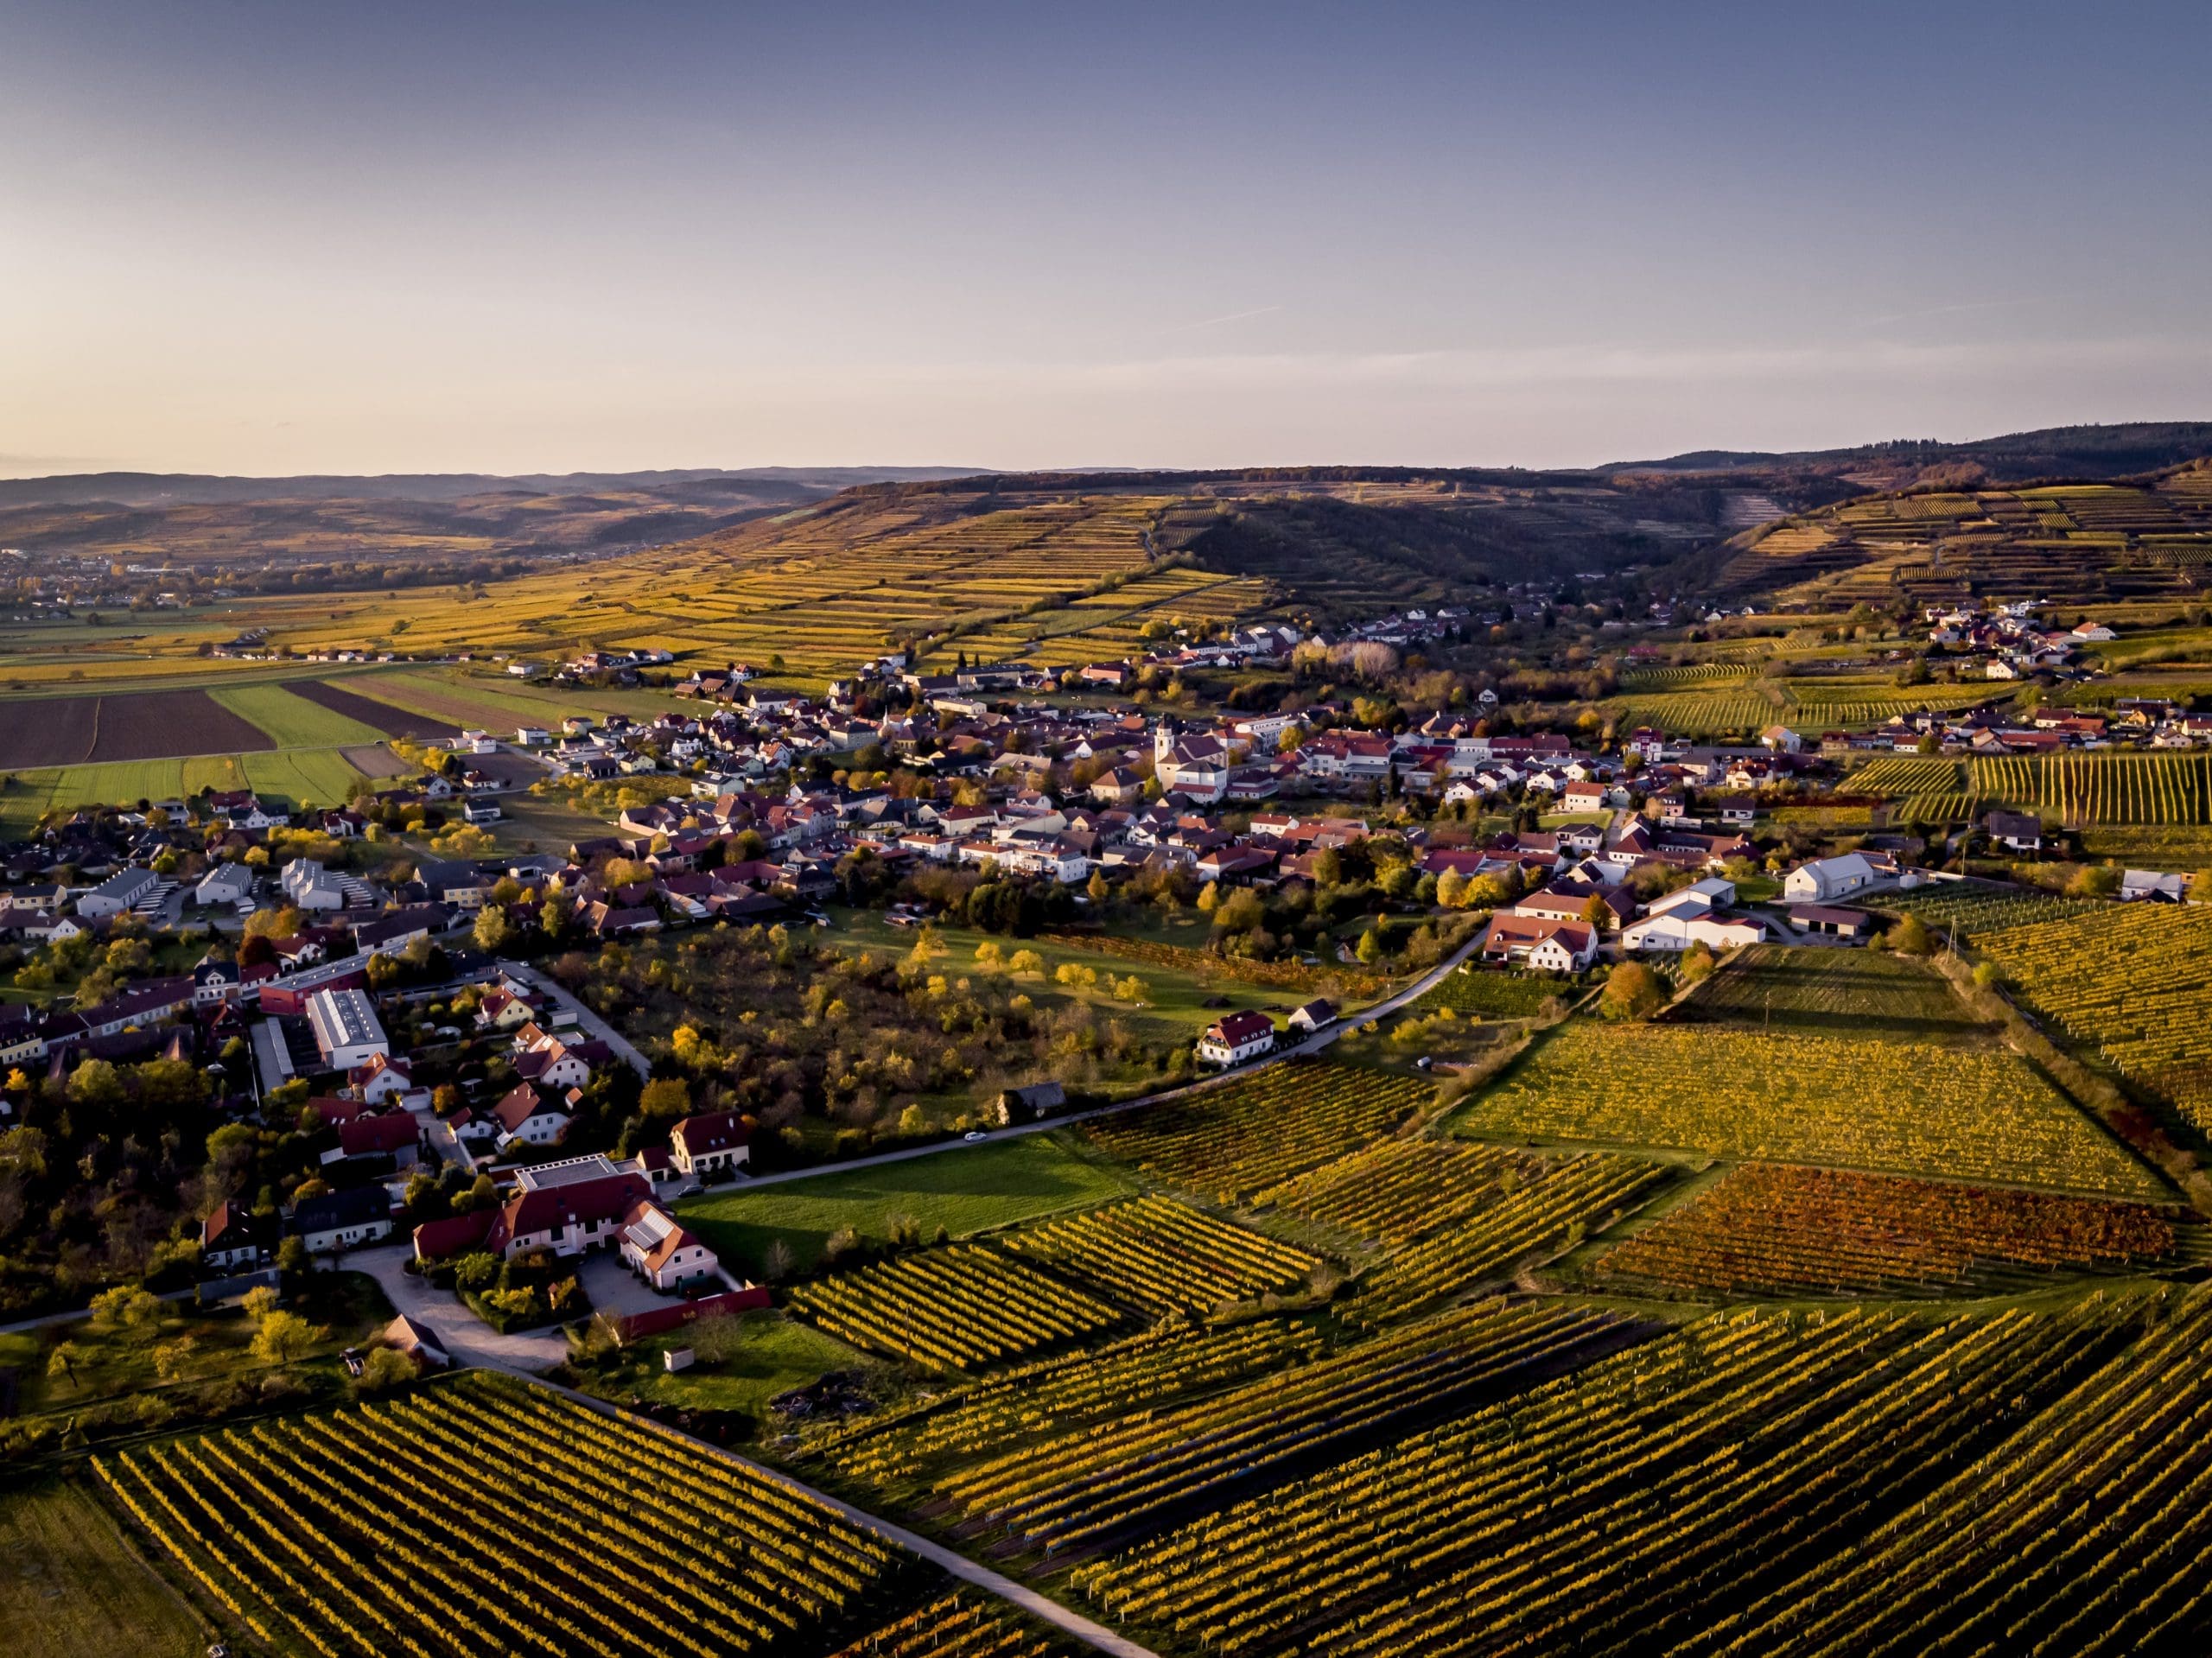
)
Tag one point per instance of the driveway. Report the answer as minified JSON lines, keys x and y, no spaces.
{"x":615,"y":1290}
{"x":459,"y":1331}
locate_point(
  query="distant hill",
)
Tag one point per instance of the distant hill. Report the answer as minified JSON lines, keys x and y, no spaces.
{"x":184,"y":488}
{"x":2072,"y":452}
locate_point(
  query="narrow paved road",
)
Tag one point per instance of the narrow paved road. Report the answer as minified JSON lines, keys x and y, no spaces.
{"x":1319,"y":1042}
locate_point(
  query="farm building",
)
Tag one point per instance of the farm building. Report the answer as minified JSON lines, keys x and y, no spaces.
{"x":346,"y":1032}
{"x":1823,"y":879}
{"x":1235,"y":1038}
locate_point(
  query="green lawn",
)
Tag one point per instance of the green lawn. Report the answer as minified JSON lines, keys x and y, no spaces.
{"x":291,"y":721}
{"x":963,"y":1190}
{"x":302,"y":777}
{"x":776,"y":1355}
{"x":70,"y":1585}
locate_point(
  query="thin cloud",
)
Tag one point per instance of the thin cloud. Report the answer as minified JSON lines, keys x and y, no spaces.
{"x":1954,"y":310}
{"x":1216,"y":322}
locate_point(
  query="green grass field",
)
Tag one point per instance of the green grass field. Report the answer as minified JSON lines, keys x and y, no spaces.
{"x":963,"y":1191}
{"x":291,"y":721}
{"x":70,"y":1585}
{"x":774,"y":1355}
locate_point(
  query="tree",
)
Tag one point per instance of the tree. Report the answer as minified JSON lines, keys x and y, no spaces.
{"x":1026,"y":961}
{"x":259,"y":1302}
{"x":127,"y":1309}
{"x":1209,"y":899}
{"x":96,"y":1082}
{"x":1096,"y":889}
{"x":1910,"y":937}
{"x":1632,"y":991}
{"x":385,"y":1369}
{"x":63,"y":1362}
{"x":1451,"y":889}
{"x":283,"y":1336}
{"x":1699,"y":962}
{"x":1370,"y":948}
{"x":169,"y":1357}
{"x":664,"y":1099}
{"x":492,"y":932}
{"x":292,"y":1254}
{"x":1597,"y":912}
{"x":2095,"y":880}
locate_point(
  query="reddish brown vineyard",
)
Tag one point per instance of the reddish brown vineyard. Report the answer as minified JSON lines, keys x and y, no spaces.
{"x":1772,"y":1229}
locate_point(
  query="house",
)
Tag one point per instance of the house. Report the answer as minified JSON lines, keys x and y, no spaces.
{"x":1545,"y":943}
{"x":658,"y":1248}
{"x":1235,"y":1038}
{"x":308,"y":885}
{"x":381,"y":1081}
{"x":1027,"y":1104}
{"x":711,"y":1144}
{"x":417,"y":1341}
{"x":524,"y":1116}
{"x":1583,"y":798}
{"x":1823,"y":879}
{"x":346,"y":1032}
{"x":2021,"y":831}
{"x":1782,"y":739}
{"x":125,"y":890}
{"x":503,"y":1010}
{"x":1694,"y":915}
{"x":230,"y":1239}
{"x":225,"y":887}
{"x":548,"y":1062}
{"x":566,"y":1208}
{"x":342,"y":1220}
{"x":388,"y":1134}
{"x":482,"y":811}
{"x":2136,"y":885}
{"x":1315,"y":1015}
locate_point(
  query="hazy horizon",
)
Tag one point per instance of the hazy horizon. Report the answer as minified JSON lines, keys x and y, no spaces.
{"x":252,"y":240}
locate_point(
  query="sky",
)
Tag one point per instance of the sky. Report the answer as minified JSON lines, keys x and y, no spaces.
{"x":284,"y":238}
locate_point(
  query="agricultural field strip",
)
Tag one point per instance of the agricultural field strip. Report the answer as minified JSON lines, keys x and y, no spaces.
{"x":1259,"y":1130}
{"x":2136,"y":981}
{"x":1274,"y":975}
{"x":1899,"y":1107}
{"x":1768,"y":1229}
{"x":1147,"y":1372}
{"x":1674,"y":1497}
{"x":1157,"y":1255}
{"x":1857,"y":993}
{"x":1106,"y":1479}
{"x":382,"y":1492}
{"x":954,"y":1626}
{"x":952,"y":1309}
{"x":2086,"y":788}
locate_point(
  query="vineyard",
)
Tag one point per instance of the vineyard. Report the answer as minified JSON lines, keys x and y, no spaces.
{"x":1901,"y":1107}
{"x":2136,"y":981}
{"x":1754,"y":1483}
{"x":1966,"y":908}
{"x":1260,"y":1130}
{"x":1908,"y":774}
{"x":1146,"y":1372}
{"x":331,"y":1534}
{"x":2081,"y":790}
{"x":952,"y":1309}
{"x":1771,"y":1230}
{"x":1157,"y":1255}
{"x":1491,"y":993}
{"x":957,"y":1626}
{"x":1203,"y":965}
{"x":1848,"y":992}
{"x":1079,"y":1489}
{"x":1458,"y":1214}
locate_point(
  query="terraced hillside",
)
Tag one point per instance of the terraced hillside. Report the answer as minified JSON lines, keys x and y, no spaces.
{"x":2067,"y":543}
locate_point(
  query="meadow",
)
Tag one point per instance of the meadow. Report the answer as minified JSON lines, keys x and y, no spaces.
{"x":966,"y":1189}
